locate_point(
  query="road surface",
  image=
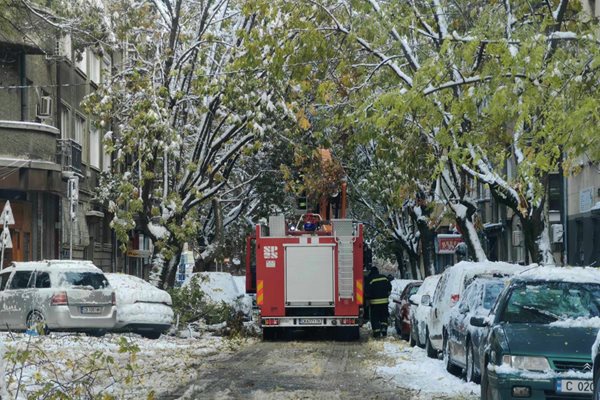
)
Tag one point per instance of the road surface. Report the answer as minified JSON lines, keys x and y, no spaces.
{"x":296,"y":369}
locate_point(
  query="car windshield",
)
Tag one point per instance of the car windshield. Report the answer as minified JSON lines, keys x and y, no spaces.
{"x":546,"y":302}
{"x":91,"y":280}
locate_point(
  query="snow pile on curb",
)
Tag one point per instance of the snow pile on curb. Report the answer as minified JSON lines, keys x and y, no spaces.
{"x":414,"y":370}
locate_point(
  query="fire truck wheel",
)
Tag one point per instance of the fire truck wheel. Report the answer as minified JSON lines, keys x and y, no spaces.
{"x":347,"y":333}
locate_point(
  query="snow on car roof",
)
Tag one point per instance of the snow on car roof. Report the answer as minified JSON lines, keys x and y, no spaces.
{"x":561,"y":274}
{"x":129,"y":289}
{"x":482,"y":267}
{"x":58,"y":265}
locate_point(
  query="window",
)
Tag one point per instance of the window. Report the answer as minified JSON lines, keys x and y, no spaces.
{"x":106,"y":161}
{"x":20,"y":280}
{"x":80,"y":136}
{"x":42,"y":280}
{"x":95,"y":147}
{"x":94,"y":72}
{"x":3,"y":279}
{"x":81,"y":61}
{"x":554,"y":192}
{"x":92,"y":279}
{"x":65,"y":122}
{"x":106,"y":66}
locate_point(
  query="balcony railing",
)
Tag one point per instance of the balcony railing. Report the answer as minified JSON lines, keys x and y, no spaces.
{"x":68,"y":155}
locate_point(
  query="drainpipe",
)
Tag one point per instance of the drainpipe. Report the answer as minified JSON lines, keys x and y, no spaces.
{"x":566,"y":219}
{"x":23,"y":81}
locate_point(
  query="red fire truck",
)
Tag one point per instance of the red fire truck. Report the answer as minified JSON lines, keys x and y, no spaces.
{"x":307,"y":278}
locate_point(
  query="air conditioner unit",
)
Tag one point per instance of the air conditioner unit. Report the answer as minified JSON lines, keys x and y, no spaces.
{"x":45,"y":106}
{"x":557,"y":233}
{"x":517,"y":238}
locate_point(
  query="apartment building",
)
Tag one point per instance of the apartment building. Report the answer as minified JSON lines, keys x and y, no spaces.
{"x":47,"y":142}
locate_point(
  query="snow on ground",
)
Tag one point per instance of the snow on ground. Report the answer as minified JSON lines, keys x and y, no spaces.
{"x":62,"y":359}
{"x":412,"y":369}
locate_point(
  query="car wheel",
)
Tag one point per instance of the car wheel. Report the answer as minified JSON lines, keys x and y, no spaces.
{"x":486,"y":390}
{"x":431,"y":353}
{"x":150,"y":335}
{"x":36,"y":321}
{"x":450,"y":367}
{"x":397,"y":326}
{"x":470,"y":374}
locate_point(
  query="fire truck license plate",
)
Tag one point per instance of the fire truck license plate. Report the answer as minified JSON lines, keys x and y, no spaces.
{"x":311,"y":321}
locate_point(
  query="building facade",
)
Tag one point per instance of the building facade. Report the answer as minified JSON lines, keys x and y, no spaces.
{"x":48,"y":140}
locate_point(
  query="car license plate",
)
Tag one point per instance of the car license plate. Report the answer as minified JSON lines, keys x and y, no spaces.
{"x":574,"y":386}
{"x":311,"y":321}
{"x":91,"y":310}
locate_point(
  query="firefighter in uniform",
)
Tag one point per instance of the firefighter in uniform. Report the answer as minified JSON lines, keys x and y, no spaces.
{"x":377,"y":291}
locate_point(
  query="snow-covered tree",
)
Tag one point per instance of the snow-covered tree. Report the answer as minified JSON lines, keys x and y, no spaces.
{"x":188,"y":102}
{"x":483,"y":84}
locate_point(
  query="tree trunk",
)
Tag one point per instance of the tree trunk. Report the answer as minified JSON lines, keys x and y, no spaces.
{"x":537,"y":236}
{"x":469,"y":233}
{"x":427,"y":253}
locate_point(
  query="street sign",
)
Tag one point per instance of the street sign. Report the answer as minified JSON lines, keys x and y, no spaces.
{"x":5,"y":239}
{"x":7,"y":217}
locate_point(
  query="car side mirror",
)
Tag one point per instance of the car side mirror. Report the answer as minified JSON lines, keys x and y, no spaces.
{"x":479,"y":322}
{"x":426,"y":300}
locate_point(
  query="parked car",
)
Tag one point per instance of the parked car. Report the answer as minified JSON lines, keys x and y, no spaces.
{"x":463,"y":347}
{"x":59,"y":295}
{"x":453,"y":282}
{"x":401,"y":312}
{"x":419,"y":316}
{"x":541,"y":331}
{"x":142,"y":308}
{"x":398,"y":286}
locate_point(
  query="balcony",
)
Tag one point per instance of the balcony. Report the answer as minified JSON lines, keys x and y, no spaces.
{"x":28,"y":156}
{"x":68,"y":155}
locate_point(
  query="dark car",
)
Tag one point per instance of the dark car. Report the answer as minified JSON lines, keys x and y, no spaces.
{"x":540,"y":335}
{"x":401,"y":313}
{"x":463,"y":344}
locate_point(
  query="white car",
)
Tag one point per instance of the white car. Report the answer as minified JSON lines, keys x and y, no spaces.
{"x":449,"y":290}
{"x":141,"y":307}
{"x":419,"y":312}
{"x":59,"y":295}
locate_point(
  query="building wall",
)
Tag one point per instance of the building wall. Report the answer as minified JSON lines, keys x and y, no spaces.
{"x":33,"y":176}
{"x":583,"y":234}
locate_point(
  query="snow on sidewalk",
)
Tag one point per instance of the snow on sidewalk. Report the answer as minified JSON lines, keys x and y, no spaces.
{"x":412,"y":369}
{"x":159,"y":366}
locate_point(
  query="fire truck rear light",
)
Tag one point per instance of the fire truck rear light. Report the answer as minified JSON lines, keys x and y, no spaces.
{"x":270,"y":321}
{"x":348,"y":321}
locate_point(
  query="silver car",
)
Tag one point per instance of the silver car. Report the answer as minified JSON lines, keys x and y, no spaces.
{"x":60,"y":295}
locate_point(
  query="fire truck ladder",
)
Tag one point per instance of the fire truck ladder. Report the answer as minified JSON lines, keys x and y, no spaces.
{"x":344,"y":235}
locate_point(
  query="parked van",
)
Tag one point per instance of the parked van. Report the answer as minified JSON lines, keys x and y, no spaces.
{"x":453,"y":282}
{"x":64,"y":295}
